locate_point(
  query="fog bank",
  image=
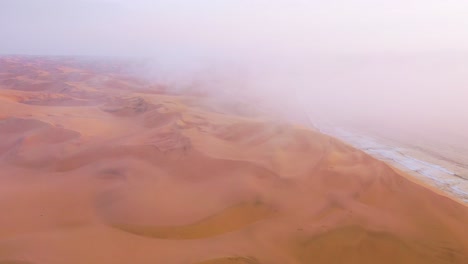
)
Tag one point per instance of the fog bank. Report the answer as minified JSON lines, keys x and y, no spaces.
{"x":359,"y":61}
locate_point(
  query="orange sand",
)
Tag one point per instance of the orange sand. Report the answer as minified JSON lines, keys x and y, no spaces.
{"x":95,"y":170}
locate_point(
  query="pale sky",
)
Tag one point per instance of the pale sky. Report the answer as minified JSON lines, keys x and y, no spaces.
{"x":231,"y":27}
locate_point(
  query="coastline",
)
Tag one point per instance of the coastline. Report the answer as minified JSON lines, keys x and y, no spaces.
{"x":407,"y":159}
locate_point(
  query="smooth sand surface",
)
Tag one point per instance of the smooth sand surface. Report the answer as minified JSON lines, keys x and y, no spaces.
{"x":100,"y":167}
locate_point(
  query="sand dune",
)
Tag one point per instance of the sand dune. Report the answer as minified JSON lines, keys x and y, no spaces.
{"x":228,"y":220}
{"x":130,"y":176}
{"x":231,"y":260}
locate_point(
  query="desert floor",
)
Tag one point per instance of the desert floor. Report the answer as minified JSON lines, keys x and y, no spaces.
{"x":100,"y":167}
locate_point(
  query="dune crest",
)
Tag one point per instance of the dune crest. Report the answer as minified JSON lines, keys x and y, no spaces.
{"x":228,"y":220}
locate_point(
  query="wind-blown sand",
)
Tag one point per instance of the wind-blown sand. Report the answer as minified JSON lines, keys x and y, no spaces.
{"x":99,"y":167}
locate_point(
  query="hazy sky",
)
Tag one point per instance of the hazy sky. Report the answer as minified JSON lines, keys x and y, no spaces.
{"x":405,"y":57}
{"x":231,"y":27}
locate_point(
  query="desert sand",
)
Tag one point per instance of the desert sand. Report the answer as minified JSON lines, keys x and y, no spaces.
{"x":97,"y":166}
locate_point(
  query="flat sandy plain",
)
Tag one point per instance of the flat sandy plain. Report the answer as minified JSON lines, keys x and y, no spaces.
{"x":100,"y":167}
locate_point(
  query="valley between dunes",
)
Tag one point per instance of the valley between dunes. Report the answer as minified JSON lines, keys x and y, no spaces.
{"x":100,"y":167}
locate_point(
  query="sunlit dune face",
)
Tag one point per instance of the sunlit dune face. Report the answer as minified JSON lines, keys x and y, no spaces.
{"x":118,"y":173}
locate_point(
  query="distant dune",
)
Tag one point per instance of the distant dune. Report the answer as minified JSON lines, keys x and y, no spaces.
{"x":98,"y":166}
